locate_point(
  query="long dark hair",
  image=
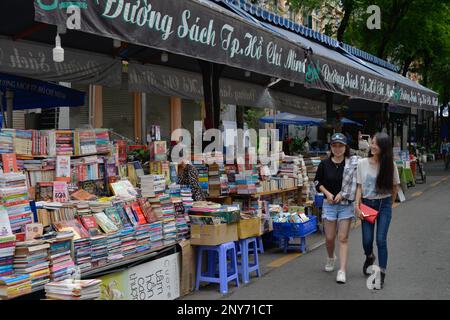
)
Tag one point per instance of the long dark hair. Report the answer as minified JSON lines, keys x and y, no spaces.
{"x":385,"y":178}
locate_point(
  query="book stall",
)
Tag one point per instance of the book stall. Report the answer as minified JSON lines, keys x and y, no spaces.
{"x":71,"y":203}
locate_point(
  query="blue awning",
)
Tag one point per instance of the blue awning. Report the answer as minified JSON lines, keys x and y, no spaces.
{"x":31,"y":93}
{"x":289,"y":118}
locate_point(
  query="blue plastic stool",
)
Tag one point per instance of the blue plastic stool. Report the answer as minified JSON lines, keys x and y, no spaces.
{"x":260,"y":246}
{"x":225,"y":273}
{"x":246,"y":267}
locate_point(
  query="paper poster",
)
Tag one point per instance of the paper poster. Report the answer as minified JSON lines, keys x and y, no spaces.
{"x":63,"y":168}
{"x":60,"y":191}
{"x":154,"y":280}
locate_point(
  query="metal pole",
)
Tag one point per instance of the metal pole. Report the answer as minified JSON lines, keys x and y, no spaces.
{"x":9,"y":108}
{"x":143,"y":118}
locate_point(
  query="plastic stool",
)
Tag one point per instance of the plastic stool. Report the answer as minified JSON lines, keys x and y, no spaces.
{"x":246,"y":267}
{"x":260,"y":247}
{"x":222,"y":251}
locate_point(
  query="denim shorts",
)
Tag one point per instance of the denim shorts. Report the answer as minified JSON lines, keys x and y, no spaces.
{"x":333,"y":212}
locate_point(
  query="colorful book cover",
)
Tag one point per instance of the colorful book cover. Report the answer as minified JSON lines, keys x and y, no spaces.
{"x":90,"y":223}
{"x":9,"y":161}
{"x":138,"y":213}
{"x":123,"y":216}
{"x":63,"y":168}
{"x":60,"y":191}
{"x":112,"y":214}
{"x":105,"y":223}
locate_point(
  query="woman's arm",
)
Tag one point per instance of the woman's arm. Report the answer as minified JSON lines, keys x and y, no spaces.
{"x":394,"y":193}
{"x":358,"y":201}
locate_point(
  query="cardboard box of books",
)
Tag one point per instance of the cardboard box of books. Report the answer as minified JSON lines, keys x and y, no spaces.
{"x":213,"y":235}
{"x":225,"y":216}
{"x":249,"y":228}
{"x":188,"y":263}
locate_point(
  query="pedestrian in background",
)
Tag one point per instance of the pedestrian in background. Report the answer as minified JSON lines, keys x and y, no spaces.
{"x":336,"y":179}
{"x":445,"y":148}
{"x":378,"y":180}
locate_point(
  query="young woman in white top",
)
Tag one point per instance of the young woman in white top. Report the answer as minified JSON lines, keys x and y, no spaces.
{"x":378,"y":179}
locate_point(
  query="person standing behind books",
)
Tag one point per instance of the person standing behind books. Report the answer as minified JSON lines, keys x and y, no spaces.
{"x":188,"y":176}
{"x":378,"y":180}
{"x":336,"y":179}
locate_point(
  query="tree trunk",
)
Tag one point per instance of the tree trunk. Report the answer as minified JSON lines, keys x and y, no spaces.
{"x":348,"y":6}
{"x":406,"y":65}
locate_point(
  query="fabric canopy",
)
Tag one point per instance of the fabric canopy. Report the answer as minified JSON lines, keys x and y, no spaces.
{"x":31,"y":93}
{"x":289,"y":118}
{"x":351,"y":122}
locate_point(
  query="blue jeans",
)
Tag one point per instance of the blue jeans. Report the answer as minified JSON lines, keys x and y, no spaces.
{"x":384,"y":208}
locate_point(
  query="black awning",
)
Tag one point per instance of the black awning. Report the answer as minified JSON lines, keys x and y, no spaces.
{"x":204,"y":30}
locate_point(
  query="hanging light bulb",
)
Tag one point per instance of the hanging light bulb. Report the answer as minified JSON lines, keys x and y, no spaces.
{"x":248,"y":74}
{"x":291,"y":84}
{"x":164,"y":57}
{"x":58,"y":51}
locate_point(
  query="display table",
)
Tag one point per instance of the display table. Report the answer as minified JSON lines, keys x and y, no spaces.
{"x":406,"y":177}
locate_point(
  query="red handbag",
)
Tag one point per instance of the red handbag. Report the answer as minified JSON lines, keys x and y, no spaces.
{"x":370,"y":215}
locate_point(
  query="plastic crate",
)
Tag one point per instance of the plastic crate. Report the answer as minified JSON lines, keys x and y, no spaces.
{"x":286,"y":231}
{"x":295,"y":230}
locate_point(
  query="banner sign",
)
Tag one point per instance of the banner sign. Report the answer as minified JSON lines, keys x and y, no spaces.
{"x":33,"y":60}
{"x":204,"y":30}
{"x":155,"y":280}
{"x":166,"y":81}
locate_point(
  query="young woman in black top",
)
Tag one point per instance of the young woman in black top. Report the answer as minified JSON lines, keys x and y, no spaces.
{"x":338,"y":211}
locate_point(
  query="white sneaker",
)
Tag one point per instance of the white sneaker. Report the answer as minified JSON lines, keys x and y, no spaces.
{"x":329,"y":267}
{"x":340,"y":277}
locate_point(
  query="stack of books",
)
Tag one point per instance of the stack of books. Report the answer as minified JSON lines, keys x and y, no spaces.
{"x":40,"y":140}
{"x":64,"y":142}
{"x":151,"y":185}
{"x":230,"y":171}
{"x":60,"y":259}
{"x":83,"y":253}
{"x":102,"y":141}
{"x":99,"y":251}
{"x":73,"y":290}
{"x":23,"y":141}
{"x":142,"y":237}
{"x":85,"y":141}
{"x":247,"y":183}
{"x":129,"y":242}
{"x":114,"y":243}
{"x":168,"y":218}
{"x":180,"y":219}
{"x":156,"y":234}
{"x":6,"y":143}
{"x":31,"y":257}
{"x":14,"y":286}
{"x":202,"y":177}
{"x":7,"y":248}
{"x":186,"y":197}
{"x":214,"y":180}
{"x":291,"y":166}
{"x":14,"y":196}
{"x":85,"y":169}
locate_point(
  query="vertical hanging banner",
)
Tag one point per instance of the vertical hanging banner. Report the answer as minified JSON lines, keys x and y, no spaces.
{"x":204,"y":30}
